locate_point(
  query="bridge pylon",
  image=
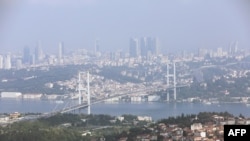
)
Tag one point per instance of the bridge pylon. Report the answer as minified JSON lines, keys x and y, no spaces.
{"x":173,"y":76}
{"x":81,"y":88}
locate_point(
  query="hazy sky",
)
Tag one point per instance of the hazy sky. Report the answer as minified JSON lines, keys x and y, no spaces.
{"x":179,"y":24}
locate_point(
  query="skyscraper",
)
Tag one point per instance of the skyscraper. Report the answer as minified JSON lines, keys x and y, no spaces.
{"x":60,"y":52}
{"x":7,"y":62}
{"x":144,"y":46}
{"x":97,"y":46}
{"x":26,"y":55}
{"x":1,"y":62}
{"x":134,"y":47}
{"x":149,"y":45}
{"x":155,"y":46}
{"x":38,"y":52}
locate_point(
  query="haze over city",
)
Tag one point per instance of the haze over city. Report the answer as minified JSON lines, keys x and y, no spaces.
{"x":179,"y":24}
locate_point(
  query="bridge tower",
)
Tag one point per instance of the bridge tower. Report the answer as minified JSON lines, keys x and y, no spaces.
{"x":80,"y":89}
{"x":173,"y":76}
{"x":174,"y":81}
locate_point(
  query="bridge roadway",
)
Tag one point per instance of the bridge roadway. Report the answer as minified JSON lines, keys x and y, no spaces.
{"x":85,"y":105}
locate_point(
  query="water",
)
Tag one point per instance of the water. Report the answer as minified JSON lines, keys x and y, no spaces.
{"x":157,"y":110}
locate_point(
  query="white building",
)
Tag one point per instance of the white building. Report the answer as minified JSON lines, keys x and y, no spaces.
{"x":136,"y":98}
{"x":32,"y":96}
{"x":153,"y":98}
{"x":4,"y":118}
{"x":203,"y":134}
{"x":144,"y":118}
{"x":120,"y":118}
{"x":11,"y":95}
{"x":196,"y":126}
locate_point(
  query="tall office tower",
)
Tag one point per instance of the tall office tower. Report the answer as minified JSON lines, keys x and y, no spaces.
{"x":156,"y":46}
{"x":230,"y":48}
{"x":26,"y":56}
{"x":149,"y":45}
{"x":19,"y":64}
{"x":97,"y":46}
{"x":233,"y":48}
{"x":133,"y":47}
{"x":153,"y":45}
{"x":7,"y":62}
{"x":33,"y":59}
{"x":202,"y":52}
{"x":60,"y":52}
{"x":1,"y":62}
{"x":219,"y":52}
{"x":38,"y":52}
{"x":144,"y":46}
{"x":236,"y":47}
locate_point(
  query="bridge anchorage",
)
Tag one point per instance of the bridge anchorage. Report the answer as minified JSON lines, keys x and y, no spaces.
{"x":81,"y":89}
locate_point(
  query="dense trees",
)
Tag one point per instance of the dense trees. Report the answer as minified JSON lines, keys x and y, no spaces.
{"x":37,"y":131}
{"x":52,"y":129}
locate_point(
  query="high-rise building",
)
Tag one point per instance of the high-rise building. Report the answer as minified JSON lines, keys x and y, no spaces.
{"x":26,"y":56}
{"x":134,"y":47}
{"x":38,"y":52}
{"x":33,"y":59}
{"x":219,"y":52}
{"x":153,"y":45}
{"x":202,"y":52}
{"x":233,"y":48}
{"x":1,"y":62}
{"x":156,"y":46}
{"x":97,"y":46}
{"x":19,"y":64}
{"x":149,"y":45}
{"x":7,"y":62}
{"x":60,"y":52}
{"x":236,"y":47}
{"x":144,"y":46}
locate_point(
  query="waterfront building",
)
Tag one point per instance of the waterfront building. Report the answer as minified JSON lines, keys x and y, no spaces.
{"x":153,"y":98}
{"x":11,"y":95}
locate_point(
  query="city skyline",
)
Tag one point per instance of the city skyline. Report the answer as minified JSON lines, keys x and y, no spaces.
{"x":180,"y":25}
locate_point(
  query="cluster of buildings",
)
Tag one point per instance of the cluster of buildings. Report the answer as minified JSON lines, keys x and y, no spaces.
{"x":210,"y":131}
{"x":12,"y":117}
{"x":30,"y":58}
{"x":144,"y":48}
{"x":143,"y":52}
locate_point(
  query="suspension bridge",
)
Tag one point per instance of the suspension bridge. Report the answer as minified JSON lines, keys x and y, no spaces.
{"x":82,"y":105}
